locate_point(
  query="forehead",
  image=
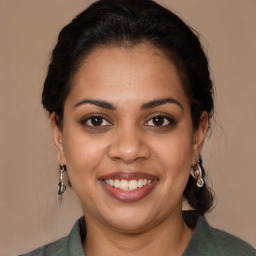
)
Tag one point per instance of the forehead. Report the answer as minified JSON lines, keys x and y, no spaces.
{"x":121,"y":74}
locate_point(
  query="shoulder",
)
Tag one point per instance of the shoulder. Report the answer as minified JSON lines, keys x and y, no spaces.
{"x":57,"y":247}
{"x":231,"y":245}
{"x":70,"y":245}
{"x":210,"y":241}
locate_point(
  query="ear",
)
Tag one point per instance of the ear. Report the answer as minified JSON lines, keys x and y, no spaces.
{"x":199,"y":135}
{"x":57,"y":139}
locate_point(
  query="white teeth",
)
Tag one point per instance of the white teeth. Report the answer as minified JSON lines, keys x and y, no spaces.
{"x":140,"y":183}
{"x":117,"y":184}
{"x":133,"y":184}
{"x":124,"y":185}
{"x":128,"y":185}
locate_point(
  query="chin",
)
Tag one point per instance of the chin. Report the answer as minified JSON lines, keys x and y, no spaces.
{"x":130,"y":225}
{"x":134,"y":219}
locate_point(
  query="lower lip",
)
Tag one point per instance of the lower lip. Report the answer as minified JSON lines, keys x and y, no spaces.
{"x":131,"y":195}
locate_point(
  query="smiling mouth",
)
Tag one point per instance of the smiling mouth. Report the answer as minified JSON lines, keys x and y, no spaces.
{"x":128,"y":186}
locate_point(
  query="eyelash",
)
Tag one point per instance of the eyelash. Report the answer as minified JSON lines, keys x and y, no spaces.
{"x":167,"y":121}
{"x":90,"y":118}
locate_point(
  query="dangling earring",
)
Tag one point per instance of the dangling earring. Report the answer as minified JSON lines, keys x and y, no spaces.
{"x":62,"y":186}
{"x":196,"y":173}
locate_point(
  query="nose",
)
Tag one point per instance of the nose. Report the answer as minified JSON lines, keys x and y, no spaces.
{"x":129,"y":146}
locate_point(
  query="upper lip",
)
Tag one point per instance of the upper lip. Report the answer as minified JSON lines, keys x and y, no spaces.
{"x":128,"y":176}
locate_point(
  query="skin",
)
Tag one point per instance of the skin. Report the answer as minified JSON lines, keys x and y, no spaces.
{"x":127,"y":140}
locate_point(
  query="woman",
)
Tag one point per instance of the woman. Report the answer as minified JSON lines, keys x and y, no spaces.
{"x":130,"y":100}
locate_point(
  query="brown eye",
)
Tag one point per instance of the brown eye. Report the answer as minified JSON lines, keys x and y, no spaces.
{"x":95,"y":121}
{"x":158,"y":120}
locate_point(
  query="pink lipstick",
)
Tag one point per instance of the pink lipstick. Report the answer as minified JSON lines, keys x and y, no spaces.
{"x":128,"y":186}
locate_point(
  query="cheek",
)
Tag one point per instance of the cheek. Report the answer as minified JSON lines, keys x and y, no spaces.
{"x":83,"y":154}
{"x":174,"y":154}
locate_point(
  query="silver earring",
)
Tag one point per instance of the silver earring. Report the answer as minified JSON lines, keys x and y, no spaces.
{"x":196,"y":173}
{"x":61,"y":184}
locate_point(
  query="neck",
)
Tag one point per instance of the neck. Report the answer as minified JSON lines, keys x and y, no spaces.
{"x":170,"y":237}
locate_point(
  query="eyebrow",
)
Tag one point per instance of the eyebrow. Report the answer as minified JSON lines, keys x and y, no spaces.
{"x":99,"y":103}
{"x":158,"y":102}
{"x":147,"y":105}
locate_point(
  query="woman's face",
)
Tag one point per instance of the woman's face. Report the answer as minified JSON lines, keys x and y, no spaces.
{"x":127,"y":139}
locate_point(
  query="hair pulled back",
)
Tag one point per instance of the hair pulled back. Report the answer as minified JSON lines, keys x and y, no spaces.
{"x":127,"y":23}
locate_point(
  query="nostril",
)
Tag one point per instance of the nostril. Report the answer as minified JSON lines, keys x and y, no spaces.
{"x":129,"y":150}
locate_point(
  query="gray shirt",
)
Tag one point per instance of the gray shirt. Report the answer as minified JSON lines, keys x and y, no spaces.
{"x":206,"y":241}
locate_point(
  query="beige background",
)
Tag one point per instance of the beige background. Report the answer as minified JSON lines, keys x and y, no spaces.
{"x":29,"y":208}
